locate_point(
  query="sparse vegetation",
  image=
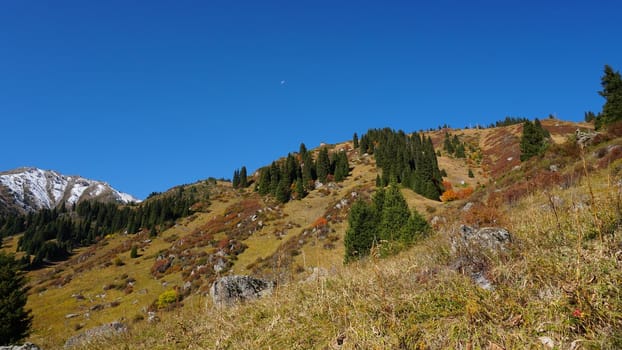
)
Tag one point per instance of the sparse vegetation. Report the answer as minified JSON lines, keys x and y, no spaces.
{"x":167,"y":298}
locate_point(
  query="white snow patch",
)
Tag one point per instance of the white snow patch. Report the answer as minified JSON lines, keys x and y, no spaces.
{"x":34,"y":188}
{"x":127,"y":198}
{"x":76,"y":191}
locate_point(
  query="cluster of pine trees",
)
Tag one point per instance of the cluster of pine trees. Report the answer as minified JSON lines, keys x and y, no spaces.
{"x":509,"y":121}
{"x":611,"y":81}
{"x":386,"y":221}
{"x":453,"y":146}
{"x":51,"y":234}
{"x":407,"y":160}
{"x":296,"y":175}
{"x":240,"y":178}
{"x":534,"y":140}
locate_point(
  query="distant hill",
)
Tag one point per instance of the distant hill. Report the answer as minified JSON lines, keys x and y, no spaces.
{"x":25,"y":190}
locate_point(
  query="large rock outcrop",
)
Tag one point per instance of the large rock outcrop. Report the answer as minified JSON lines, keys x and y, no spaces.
{"x":473,"y":248}
{"x":230,"y":289}
{"x":97,"y":334}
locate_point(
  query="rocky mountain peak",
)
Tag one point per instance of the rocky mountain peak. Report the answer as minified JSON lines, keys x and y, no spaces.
{"x":30,"y":189}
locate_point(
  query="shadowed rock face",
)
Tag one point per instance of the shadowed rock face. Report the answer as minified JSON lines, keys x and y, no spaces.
{"x":230,"y":289}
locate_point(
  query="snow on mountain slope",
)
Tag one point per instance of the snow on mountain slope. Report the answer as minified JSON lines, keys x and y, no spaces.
{"x":30,"y":189}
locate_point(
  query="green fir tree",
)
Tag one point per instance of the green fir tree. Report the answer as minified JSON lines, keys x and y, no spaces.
{"x":612,"y":92}
{"x":15,"y":320}
{"x":323,"y":165}
{"x":533,"y":141}
{"x":361,"y":233}
{"x":243,"y":178}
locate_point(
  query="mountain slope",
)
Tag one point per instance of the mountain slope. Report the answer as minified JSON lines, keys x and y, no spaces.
{"x":30,"y":189}
{"x":285,"y":242}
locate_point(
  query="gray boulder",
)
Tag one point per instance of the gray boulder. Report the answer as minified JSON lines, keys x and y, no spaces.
{"x":487,"y":238}
{"x":97,"y":334}
{"x":230,"y":289}
{"x":473,"y":248}
{"x":585,"y":138}
{"x":25,"y":346}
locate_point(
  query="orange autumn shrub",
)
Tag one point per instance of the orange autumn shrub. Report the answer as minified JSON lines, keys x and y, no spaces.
{"x":451,"y":194}
{"x":448,"y":196}
{"x":464,"y":193}
{"x":321,"y":221}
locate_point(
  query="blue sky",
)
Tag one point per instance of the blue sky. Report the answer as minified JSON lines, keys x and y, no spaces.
{"x":147,"y":95}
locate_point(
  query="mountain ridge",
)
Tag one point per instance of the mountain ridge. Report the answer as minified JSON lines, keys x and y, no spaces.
{"x":28,"y":189}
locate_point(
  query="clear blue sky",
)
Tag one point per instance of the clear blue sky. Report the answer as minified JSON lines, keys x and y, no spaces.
{"x":147,"y":95}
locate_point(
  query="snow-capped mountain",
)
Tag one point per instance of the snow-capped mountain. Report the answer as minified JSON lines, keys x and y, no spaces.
{"x":29,"y":189}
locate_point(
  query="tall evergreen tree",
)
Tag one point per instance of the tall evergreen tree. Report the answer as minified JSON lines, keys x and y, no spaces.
{"x":291,"y":170}
{"x":364,"y":144}
{"x":275,"y":177}
{"x":243,"y":177}
{"x":533,"y":141}
{"x":323,"y":165}
{"x":342,"y":168}
{"x":361,"y":233}
{"x":236,"y":178}
{"x":263,"y":186}
{"x":612,"y":92}
{"x":282,"y":191}
{"x":394,"y":214}
{"x":307,"y":170}
{"x":378,"y":202}
{"x":15,"y":320}
{"x":355,"y":141}
{"x":302,"y":150}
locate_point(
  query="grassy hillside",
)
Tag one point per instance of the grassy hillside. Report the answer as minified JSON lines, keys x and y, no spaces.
{"x":558,"y":264}
{"x":558,"y":285}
